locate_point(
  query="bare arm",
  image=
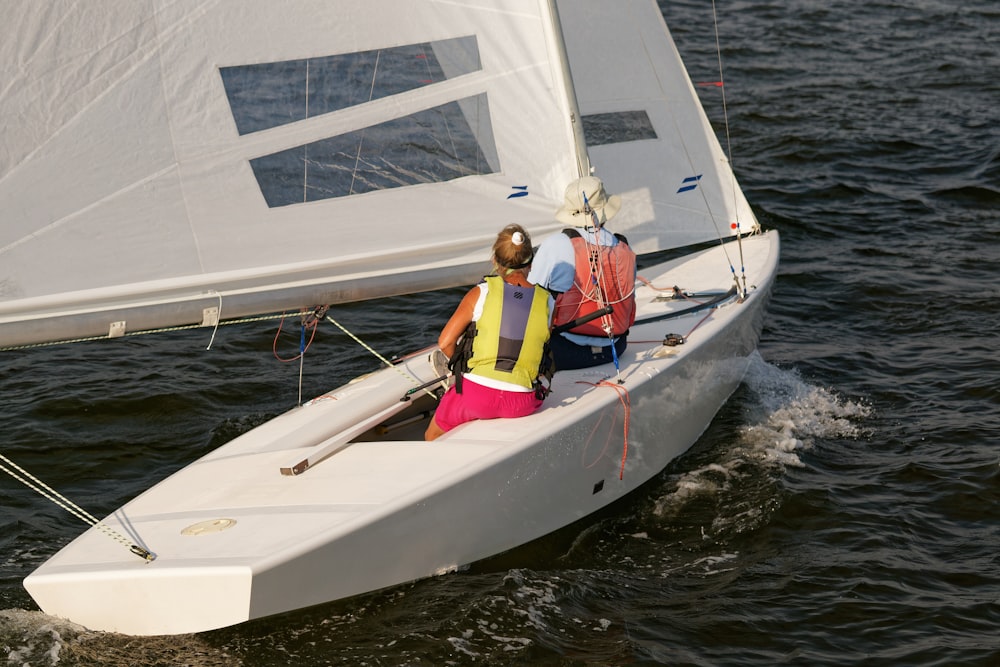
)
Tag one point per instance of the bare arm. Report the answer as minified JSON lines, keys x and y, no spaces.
{"x":459,"y":320}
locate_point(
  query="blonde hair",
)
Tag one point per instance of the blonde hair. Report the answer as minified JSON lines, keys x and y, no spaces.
{"x":512,"y":250}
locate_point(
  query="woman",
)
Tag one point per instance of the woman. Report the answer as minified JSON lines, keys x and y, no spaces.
{"x":504,"y":326}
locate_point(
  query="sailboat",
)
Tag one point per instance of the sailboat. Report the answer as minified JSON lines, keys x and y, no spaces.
{"x":186,"y":163}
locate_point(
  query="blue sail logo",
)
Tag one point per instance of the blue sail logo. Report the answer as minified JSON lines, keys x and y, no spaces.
{"x":689,"y":183}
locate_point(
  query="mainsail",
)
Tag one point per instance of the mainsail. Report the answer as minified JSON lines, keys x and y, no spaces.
{"x":167,"y":163}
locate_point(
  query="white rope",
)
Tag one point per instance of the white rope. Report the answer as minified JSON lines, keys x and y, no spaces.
{"x":378,"y":356}
{"x":143,"y":332}
{"x":62,"y":501}
{"x":218,"y":318}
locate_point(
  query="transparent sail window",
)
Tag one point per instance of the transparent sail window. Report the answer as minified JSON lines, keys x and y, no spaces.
{"x":266,"y":95}
{"x":439,"y":144}
{"x":617,"y":127}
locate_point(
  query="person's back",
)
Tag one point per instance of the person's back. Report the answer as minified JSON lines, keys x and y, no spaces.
{"x":588,"y":268}
{"x":605,"y":276}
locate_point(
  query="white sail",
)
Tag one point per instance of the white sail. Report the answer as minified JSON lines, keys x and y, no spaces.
{"x":161,"y":157}
{"x":648,"y":136}
{"x":163,"y":161}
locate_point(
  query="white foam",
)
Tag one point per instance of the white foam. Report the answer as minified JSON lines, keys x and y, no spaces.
{"x":784,"y":417}
{"x":42,"y":637}
{"x":791,"y":413}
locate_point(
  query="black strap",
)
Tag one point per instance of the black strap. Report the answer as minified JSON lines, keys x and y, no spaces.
{"x":607,"y":310}
{"x":459,"y":362}
{"x":574,"y":234}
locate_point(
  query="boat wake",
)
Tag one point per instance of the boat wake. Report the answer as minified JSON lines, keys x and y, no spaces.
{"x":34,"y":638}
{"x":791,"y":414}
{"x":732,"y":487}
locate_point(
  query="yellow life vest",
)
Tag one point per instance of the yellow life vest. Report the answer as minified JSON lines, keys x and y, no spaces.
{"x":511,"y":333}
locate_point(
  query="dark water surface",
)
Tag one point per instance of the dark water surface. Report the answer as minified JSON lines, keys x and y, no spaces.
{"x":843,"y":509}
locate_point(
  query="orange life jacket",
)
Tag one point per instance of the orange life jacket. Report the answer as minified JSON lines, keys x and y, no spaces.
{"x":612,"y":270}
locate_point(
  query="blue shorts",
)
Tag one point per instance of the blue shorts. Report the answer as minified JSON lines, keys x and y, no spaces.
{"x":568,"y":356}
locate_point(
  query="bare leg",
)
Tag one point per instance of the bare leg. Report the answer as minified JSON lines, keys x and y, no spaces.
{"x":433,"y":431}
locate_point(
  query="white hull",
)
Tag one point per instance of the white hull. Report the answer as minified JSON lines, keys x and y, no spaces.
{"x":382,"y":511}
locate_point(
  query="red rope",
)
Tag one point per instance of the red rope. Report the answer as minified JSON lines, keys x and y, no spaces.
{"x":700,"y":322}
{"x":625,"y":400}
{"x":274,"y":345}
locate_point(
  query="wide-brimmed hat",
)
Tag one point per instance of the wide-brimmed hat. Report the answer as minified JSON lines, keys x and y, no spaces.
{"x":573,"y":211}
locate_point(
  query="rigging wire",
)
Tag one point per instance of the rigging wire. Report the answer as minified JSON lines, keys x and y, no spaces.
{"x":305,"y":148}
{"x":302,"y":355}
{"x":729,"y":154}
{"x":308,"y":322}
{"x":361,"y":139}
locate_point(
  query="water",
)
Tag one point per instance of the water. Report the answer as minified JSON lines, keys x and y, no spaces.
{"x":842,"y":510}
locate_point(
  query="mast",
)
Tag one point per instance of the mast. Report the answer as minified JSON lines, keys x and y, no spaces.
{"x":576,"y":120}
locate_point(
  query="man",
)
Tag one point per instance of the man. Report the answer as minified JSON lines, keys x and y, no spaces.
{"x":588,"y":268}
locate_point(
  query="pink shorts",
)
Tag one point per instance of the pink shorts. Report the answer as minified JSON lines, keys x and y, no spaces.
{"x":479,"y":402}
